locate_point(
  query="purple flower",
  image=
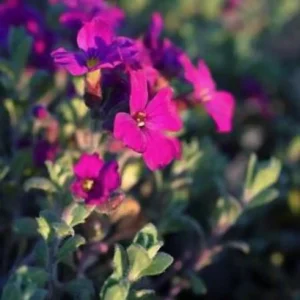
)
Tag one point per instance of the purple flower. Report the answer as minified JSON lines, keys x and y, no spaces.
{"x":218,"y":104}
{"x":162,"y":54}
{"x":98,"y":49}
{"x":143,"y":128}
{"x":40,"y":112}
{"x":95,"y":180}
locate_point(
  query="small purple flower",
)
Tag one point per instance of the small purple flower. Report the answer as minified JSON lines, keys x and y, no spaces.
{"x":40,"y":112}
{"x":162,"y":54}
{"x":143,"y":128}
{"x":99,"y":48}
{"x":95,"y":180}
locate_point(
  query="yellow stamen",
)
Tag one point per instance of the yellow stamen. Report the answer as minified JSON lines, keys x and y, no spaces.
{"x":92,"y":62}
{"x":87,"y":185}
{"x":140,"y":118}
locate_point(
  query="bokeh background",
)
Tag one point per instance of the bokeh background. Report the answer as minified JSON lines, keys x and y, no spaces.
{"x":224,"y":248}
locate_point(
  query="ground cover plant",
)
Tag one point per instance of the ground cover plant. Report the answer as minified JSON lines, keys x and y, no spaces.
{"x":149,"y":149}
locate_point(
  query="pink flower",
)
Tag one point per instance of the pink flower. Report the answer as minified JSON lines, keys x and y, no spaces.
{"x":99,"y":48}
{"x":143,"y":128}
{"x":219,"y":104}
{"x":95,"y":180}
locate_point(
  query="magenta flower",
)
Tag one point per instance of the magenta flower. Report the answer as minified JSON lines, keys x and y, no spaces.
{"x":218,"y":104}
{"x":95,"y":180}
{"x":99,"y":48}
{"x":143,"y":128}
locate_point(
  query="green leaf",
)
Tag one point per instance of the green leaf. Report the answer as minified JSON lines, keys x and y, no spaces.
{"x":39,"y":183}
{"x":159,"y":264}
{"x":81,"y":289}
{"x":147,"y":236}
{"x":139,"y":260}
{"x":19,"y":47}
{"x":11,"y":292}
{"x":142,"y":295}
{"x":69,"y":246}
{"x":29,"y":275}
{"x":26,"y":227}
{"x":39,"y":294}
{"x":121,"y":262}
{"x":41,"y":253}
{"x":152,"y":251}
{"x":114,"y":289}
{"x":250,"y":170}
{"x":76,"y":214}
{"x":62,"y":229}
{"x":197,"y":284}
{"x":264,"y":178}
{"x":43,"y":227}
{"x":263,"y":198}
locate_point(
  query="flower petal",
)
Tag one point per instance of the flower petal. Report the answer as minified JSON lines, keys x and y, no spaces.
{"x":73,"y":62}
{"x":139,"y":91}
{"x":221,"y":109}
{"x":94,"y":32}
{"x":88,"y":166}
{"x":205,"y":79}
{"x":161,"y":150}
{"x":162,"y":113}
{"x":110,"y":177}
{"x":126,"y":130}
{"x":77,"y":190}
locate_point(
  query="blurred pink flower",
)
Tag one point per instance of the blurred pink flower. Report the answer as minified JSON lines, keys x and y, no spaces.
{"x":95,"y":180}
{"x":143,"y":128}
{"x":218,"y":104}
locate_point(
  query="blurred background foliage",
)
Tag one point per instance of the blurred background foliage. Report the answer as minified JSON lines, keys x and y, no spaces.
{"x":230,"y":219}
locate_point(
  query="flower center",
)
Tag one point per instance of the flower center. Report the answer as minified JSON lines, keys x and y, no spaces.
{"x":140,"y":118}
{"x":92,"y":62}
{"x":205,"y":95}
{"x":88,"y":184}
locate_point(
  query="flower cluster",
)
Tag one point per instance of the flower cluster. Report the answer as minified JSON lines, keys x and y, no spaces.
{"x":128,"y":82}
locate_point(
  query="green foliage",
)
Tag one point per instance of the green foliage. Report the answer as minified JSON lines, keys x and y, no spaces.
{"x":140,"y":259}
{"x":69,"y":246}
{"x":19,"y":47}
{"x":259,"y":181}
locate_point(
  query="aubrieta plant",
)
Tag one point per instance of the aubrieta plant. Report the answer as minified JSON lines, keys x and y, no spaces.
{"x":99,"y":163}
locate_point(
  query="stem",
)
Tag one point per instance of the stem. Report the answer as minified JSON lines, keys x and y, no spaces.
{"x":54,"y":285}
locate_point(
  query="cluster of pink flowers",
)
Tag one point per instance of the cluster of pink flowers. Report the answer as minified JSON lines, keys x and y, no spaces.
{"x":140,"y":110}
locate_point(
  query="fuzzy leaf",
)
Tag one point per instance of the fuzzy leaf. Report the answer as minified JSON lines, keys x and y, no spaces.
{"x":159,"y":264}
{"x":62,"y":229}
{"x":69,"y":246}
{"x":43,"y":227}
{"x":147,"y":236}
{"x":113,"y":289}
{"x":139,"y":261}
{"x":121,"y":262}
